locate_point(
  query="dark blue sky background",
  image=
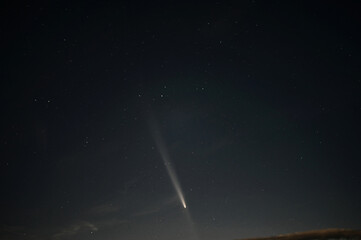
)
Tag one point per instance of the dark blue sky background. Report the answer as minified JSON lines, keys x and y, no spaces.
{"x":258,"y":103}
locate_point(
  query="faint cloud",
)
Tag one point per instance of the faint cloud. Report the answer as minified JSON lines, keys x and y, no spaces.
{"x":146,"y":212}
{"x":166,"y":202}
{"x":114,"y":222}
{"x":75,"y":229}
{"x":104,"y":209}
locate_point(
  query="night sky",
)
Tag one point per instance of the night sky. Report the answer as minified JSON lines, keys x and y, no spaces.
{"x":256,"y":104}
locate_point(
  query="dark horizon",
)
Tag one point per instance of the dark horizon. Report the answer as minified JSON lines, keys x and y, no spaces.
{"x":257,"y":103}
{"x":316,"y":234}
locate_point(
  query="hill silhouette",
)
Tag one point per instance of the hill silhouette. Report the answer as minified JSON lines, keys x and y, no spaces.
{"x":330,"y":234}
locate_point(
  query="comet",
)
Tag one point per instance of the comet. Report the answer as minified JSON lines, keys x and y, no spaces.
{"x":166,"y":160}
{"x":172,"y":174}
